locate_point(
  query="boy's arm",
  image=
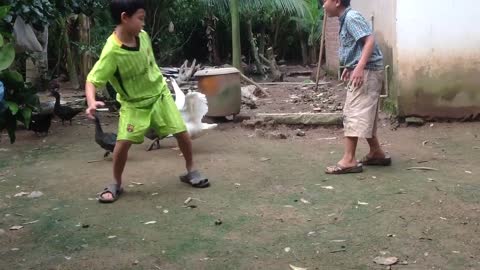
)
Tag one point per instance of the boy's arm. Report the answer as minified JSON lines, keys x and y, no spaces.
{"x":98,"y":77}
{"x":358,"y":72}
{"x":90,"y":91}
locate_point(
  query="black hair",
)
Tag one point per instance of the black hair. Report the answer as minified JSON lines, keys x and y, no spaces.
{"x":117,"y":7}
{"x":345,"y":3}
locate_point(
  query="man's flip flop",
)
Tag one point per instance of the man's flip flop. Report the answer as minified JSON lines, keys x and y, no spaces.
{"x":112,"y":189}
{"x":386,"y":161}
{"x":337,"y":169}
{"x":195,"y":179}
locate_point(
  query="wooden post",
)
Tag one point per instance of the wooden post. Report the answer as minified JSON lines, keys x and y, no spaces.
{"x":322,"y":45}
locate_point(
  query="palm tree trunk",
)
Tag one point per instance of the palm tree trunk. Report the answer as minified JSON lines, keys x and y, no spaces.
{"x":236,"y":45}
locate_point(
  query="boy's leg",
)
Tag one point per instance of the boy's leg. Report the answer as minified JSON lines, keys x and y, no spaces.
{"x":132,"y":126}
{"x":168,"y":120}
{"x":120,"y":155}
{"x":192,"y":177}
{"x":185,"y":145}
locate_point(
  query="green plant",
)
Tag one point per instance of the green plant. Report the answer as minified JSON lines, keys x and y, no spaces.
{"x":253,"y":12}
{"x":20,"y":99}
{"x":37,"y":13}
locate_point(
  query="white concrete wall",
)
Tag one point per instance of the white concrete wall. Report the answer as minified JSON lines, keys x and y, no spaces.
{"x":433,"y":48}
{"x":438,"y":54}
{"x":384,"y":26}
{"x":383,"y":12}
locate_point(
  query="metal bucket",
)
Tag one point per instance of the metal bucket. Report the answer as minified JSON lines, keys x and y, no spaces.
{"x":223,"y":90}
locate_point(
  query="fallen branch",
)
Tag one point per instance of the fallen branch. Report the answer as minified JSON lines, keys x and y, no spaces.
{"x":299,"y":73}
{"x":94,"y":161}
{"x":322,"y":44}
{"x":186,"y":72}
{"x":291,"y":83}
{"x":421,"y":169}
{"x":313,"y":119}
{"x":245,"y":78}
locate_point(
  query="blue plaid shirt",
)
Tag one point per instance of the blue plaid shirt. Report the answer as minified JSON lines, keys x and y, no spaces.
{"x":353,"y":28}
{"x":2,"y":94}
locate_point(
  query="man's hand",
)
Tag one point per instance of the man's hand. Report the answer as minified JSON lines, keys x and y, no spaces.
{"x":92,"y":109}
{"x":357,"y":76}
{"x":346,"y":75}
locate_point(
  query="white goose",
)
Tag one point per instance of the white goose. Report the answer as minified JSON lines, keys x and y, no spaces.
{"x":193,"y":107}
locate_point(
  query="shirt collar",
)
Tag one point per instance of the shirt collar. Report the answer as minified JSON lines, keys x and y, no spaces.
{"x":344,"y":15}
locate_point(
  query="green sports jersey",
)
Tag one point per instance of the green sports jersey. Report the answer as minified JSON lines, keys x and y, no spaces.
{"x":132,"y":72}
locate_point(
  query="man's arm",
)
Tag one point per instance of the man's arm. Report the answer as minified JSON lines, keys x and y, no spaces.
{"x":358,"y":73}
{"x":368,"y":47}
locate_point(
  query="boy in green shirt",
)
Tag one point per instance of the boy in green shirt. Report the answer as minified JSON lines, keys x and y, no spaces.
{"x":128,"y":64}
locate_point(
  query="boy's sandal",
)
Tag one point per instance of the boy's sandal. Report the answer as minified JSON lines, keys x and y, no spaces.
{"x":195,"y":179}
{"x":112,"y":189}
{"x":337,"y":169}
{"x":386,"y":161}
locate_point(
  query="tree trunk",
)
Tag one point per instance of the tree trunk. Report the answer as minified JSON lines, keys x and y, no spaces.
{"x":313,"y":54}
{"x":72,"y":70}
{"x":254,"y":48}
{"x":211,"y":33}
{"x":86,"y":59}
{"x":278,"y":22}
{"x":261,"y":40}
{"x":37,"y":65}
{"x":277,"y":75}
{"x":303,"y":46}
{"x":236,"y":45}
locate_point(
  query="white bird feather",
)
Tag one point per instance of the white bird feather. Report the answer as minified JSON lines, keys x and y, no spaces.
{"x":193,"y":107}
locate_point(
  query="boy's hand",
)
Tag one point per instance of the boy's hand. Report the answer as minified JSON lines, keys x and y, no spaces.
{"x":92,"y":109}
{"x":357,"y":76}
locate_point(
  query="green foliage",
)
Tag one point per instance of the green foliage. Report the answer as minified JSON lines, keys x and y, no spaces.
{"x":7,"y":55}
{"x":37,"y":13}
{"x":312,"y":23}
{"x":294,"y":7}
{"x":184,"y":15}
{"x":102,"y":25}
{"x":20,"y":98}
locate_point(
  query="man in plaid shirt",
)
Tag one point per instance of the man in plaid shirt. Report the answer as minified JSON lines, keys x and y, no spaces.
{"x":363,"y":62}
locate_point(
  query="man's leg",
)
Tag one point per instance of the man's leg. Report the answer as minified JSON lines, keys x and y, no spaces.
{"x":120,"y":155}
{"x":375,"y":148}
{"x":348,"y":160}
{"x":348,"y":164}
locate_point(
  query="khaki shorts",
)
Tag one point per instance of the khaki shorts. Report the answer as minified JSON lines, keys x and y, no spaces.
{"x":162,"y":116}
{"x":360,"y":113}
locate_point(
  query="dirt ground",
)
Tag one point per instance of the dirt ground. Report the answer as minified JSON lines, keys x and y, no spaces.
{"x":275,"y":205}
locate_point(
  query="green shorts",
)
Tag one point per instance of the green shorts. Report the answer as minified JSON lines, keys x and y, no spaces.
{"x":162,"y":116}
